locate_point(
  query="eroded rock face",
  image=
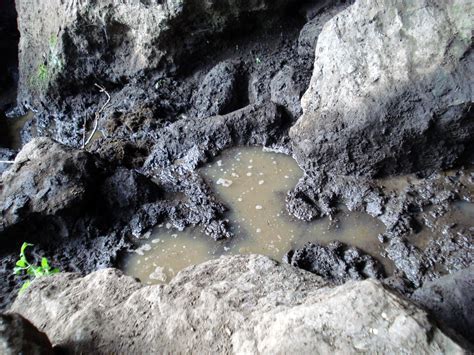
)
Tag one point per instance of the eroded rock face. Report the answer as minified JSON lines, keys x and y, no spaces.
{"x":19,"y":336}
{"x":234,"y":304}
{"x":388,"y":92}
{"x":112,"y":42}
{"x":222,"y":91}
{"x":50,"y":180}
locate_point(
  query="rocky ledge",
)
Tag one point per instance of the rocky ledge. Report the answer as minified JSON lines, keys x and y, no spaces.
{"x":238,"y":304}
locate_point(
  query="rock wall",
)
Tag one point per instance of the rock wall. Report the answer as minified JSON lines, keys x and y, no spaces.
{"x":389,"y":92}
{"x":67,"y":45}
{"x":239,"y":304}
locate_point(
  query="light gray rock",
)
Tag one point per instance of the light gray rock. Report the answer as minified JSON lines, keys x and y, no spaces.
{"x":238,"y":304}
{"x":322,"y":13}
{"x":389,"y":91}
{"x":19,"y":336}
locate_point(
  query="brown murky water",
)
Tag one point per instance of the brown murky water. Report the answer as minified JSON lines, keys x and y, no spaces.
{"x":460,"y":215}
{"x":253,"y":184}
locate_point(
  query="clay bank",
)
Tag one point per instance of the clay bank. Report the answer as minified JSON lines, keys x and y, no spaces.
{"x":236,"y":177}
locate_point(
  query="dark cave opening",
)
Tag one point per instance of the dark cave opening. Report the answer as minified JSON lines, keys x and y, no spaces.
{"x":9,"y":39}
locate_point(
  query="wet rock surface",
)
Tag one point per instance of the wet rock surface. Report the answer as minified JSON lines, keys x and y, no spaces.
{"x":233,"y":304}
{"x":336,"y":262}
{"x":19,"y":336}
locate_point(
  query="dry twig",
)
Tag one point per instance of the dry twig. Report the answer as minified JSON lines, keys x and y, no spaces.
{"x":97,"y":116}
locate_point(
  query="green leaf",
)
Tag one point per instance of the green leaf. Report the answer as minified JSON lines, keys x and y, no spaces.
{"x":38,"y":271}
{"x":30,"y":271}
{"x":21,"y":263}
{"x":55,"y":271}
{"x":45,"y":264}
{"x":24,"y":286}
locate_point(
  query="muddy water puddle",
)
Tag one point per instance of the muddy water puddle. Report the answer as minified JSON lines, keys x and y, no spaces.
{"x":460,"y":216}
{"x":253,"y":184}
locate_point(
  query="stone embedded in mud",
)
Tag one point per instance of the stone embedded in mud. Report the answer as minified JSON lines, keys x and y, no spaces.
{"x":47,"y":179}
{"x":51,"y":181}
{"x":389,"y":92}
{"x":239,"y":304}
{"x":286,"y":92}
{"x":19,"y":336}
{"x":222,"y":91}
{"x":336,"y":262}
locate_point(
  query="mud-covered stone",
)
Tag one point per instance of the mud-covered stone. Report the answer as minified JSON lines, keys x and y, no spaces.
{"x":336,"y":262}
{"x":238,"y":304}
{"x":222,"y":91}
{"x":47,"y":179}
{"x":19,"y":336}
{"x":65,"y":46}
{"x":388,"y":92}
{"x":286,"y":92}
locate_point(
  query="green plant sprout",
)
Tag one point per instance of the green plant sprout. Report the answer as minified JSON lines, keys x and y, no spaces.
{"x":24,"y":267}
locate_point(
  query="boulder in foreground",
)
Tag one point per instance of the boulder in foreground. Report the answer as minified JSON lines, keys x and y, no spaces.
{"x":239,"y":304}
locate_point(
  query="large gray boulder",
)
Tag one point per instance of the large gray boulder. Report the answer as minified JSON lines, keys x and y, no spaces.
{"x":239,"y":304}
{"x":390,"y":91}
